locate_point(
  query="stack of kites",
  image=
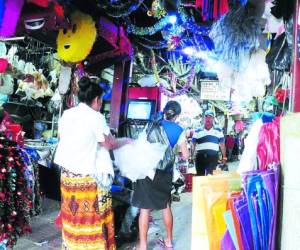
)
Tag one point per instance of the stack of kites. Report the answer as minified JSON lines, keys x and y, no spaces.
{"x":240,"y":211}
{"x":237,"y":220}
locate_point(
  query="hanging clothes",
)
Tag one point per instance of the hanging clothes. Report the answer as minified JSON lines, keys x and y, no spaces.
{"x":268,"y":148}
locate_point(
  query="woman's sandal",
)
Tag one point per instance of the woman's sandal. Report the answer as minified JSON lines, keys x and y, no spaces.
{"x":162,"y":243}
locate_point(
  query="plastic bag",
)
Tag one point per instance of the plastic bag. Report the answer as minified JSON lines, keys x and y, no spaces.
{"x":139,"y":159}
{"x":279,"y":57}
{"x":156,"y":134}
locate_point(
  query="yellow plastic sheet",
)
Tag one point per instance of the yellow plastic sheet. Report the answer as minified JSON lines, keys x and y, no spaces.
{"x":210,"y":194}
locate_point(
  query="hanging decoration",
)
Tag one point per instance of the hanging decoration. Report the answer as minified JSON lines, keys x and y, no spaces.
{"x":50,"y":17}
{"x":75,"y":44}
{"x":236,"y":35}
{"x":12,"y":12}
{"x":40,"y":3}
{"x":149,"y":44}
{"x":212,"y":10}
{"x":15,"y":202}
{"x":148,"y":31}
{"x":184,"y":89}
{"x":119,"y":9}
{"x":157,"y":10}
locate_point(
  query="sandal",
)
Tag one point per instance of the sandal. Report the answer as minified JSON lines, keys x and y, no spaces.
{"x":162,"y":243}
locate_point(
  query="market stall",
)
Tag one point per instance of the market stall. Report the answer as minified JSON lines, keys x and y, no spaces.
{"x":230,"y":56}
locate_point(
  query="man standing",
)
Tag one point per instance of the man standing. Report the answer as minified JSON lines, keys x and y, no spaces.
{"x":207,"y":141}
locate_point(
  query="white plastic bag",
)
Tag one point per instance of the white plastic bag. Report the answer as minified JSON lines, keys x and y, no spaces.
{"x":139,"y":159}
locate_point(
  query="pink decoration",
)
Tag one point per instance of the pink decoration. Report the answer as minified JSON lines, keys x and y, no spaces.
{"x":11,"y":16}
{"x":3,"y":65}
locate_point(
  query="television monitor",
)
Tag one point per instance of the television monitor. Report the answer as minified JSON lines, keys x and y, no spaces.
{"x":141,"y":109}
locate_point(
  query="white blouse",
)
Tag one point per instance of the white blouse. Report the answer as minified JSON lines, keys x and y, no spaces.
{"x":80,"y":130}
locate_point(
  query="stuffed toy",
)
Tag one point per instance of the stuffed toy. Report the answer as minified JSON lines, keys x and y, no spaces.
{"x":75,"y":44}
{"x":50,"y":17}
{"x":11,"y":15}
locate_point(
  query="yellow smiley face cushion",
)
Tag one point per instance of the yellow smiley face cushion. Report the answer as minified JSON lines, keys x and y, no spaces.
{"x":75,"y":44}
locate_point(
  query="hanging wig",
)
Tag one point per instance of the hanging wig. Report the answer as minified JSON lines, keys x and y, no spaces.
{"x":236,"y":35}
{"x":11,"y":16}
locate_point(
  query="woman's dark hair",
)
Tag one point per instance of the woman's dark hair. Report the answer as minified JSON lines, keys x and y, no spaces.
{"x":88,"y":90}
{"x":172,"y":109}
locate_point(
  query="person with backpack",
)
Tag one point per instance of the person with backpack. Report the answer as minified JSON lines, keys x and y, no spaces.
{"x":156,"y":194}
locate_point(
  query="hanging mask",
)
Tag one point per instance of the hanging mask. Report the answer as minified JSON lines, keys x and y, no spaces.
{"x":49,"y":18}
{"x":75,"y":44}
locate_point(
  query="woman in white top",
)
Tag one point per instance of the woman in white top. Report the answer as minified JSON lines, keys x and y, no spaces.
{"x":82,"y":153}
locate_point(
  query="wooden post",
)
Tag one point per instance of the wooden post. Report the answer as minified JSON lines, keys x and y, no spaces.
{"x":296,"y":66}
{"x":119,"y":93}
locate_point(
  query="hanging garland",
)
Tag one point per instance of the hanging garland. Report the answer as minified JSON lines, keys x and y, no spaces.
{"x":185,"y":88}
{"x":144,"y":31}
{"x":149,"y":44}
{"x":187,"y":24}
{"x":120,"y":10}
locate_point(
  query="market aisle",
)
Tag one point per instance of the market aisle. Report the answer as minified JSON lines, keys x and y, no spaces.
{"x":45,"y":236}
{"x":182,"y":212}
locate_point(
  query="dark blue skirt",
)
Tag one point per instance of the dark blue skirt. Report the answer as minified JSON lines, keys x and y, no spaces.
{"x":153,"y":194}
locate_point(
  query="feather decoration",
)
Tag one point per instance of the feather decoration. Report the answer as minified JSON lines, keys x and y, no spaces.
{"x":236,"y":35}
{"x":11,"y":16}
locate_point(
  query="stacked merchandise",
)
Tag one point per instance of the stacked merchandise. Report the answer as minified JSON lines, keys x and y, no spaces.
{"x":240,"y":211}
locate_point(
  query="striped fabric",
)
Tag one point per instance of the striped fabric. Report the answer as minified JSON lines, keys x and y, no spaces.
{"x":208,"y":140}
{"x":87,"y":216}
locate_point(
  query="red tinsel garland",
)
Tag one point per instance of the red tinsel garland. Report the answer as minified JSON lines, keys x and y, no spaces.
{"x":15,"y":200}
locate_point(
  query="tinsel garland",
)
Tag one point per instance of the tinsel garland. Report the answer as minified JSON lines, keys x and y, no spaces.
{"x":149,"y":44}
{"x":169,"y":66}
{"x":187,"y":24}
{"x":143,"y":31}
{"x":120,"y":9}
{"x":15,"y":196}
{"x":184,"y":89}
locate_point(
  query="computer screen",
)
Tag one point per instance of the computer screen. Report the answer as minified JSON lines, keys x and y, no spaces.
{"x":140,"y":109}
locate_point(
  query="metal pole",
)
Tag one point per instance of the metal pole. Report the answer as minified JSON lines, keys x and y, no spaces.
{"x":296,"y":65}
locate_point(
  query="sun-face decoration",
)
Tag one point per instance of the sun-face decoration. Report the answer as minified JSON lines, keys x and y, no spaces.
{"x":75,"y":44}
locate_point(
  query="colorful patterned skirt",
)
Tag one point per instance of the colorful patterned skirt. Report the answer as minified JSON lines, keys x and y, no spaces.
{"x":86,"y":213}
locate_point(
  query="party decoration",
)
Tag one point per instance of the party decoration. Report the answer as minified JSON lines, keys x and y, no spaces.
{"x":15,"y":202}
{"x":50,"y":17}
{"x":40,"y":3}
{"x":75,"y":44}
{"x":236,"y":35}
{"x":34,"y":86}
{"x":119,"y":9}
{"x":157,"y":10}
{"x":11,"y":16}
{"x":184,"y":89}
{"x":3,"y":65}
{"x":212,"y":10}
{"x":281,"y":95}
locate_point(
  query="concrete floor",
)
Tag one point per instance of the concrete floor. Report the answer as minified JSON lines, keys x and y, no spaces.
{"x":45,"y":236}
